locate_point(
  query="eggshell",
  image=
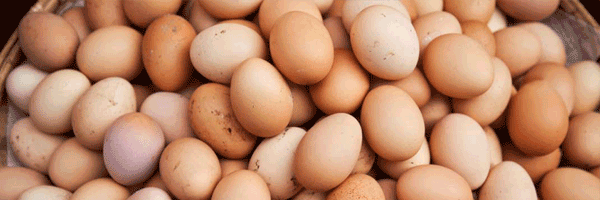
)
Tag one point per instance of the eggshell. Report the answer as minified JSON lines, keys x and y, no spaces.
{"x":150,"y":193}
{"x":301,"y":48}
{"x":304,"y":108}
{"x":480,"y":32}
{"x":230,"y":9}
{"x":170,"y":111}
{"x":213,"y":121}
{"x":351,"y":9}
{"x":558,"y":77}
{"x":458,"y":76}
{"x":260,"y":98}
{"x":52,"y":101}
{"x":198,"y":17}
{"x":395,"y":169}
{"x":102,"y":188}
{"x":38,"y":33}
{"x":436,"y":109}
{"x":553,"y":49}
{"x":310,"y":195}
{"x":75,"y":17}
{"x":339,"y":35}
{"x":104,"y":13}
{"x":586,"y":75}
{"x":488,"y":106}
{"x":569,"y":183}
{"x":318,"y":163}
{"x":21,"y":82}
{"x":273,"y":160}
{"x":141,"y":93}
{"x":537,"y":119}
{"x":497,"y":21}
{"x":142,"y":13}
{"x":411,"y":8}
{"x":389,"y":188}
{"x":596,"y":172}
{"x":230,"y":166}
{"x":580,"y":146}
{"x":432,"y":182}
{"x":99,"y":107}
{"x":415,"y":84}
{"x":271,"y":10}
{"x":323,"y":5}
{"x":72,"y":165}
{"x":429,"y":6}
{"x":243,"y":184}
{"x":366,"y":159}
{"x":536,"y":166}
{"x":508,"y":180}
{"x":189,"y":168}
{"x":531,"y":10}
{"x":45,"y":192}
{"x":494,"y":146}
{"x":116,"y":46}
{"x":518,"y":48}
{"x":433,"y":25}
{"x":357,"y":186}
{"x":336,"y":8}
{"x":466,"y":10}
{"x":16,"y":180}
{"x":459,"y":143}
{"x":33,"y":147}
{"x":243,"y":22}
{"x":157,"y":182}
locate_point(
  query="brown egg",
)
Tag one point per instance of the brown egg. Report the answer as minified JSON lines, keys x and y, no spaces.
{"x":189,"y":168}
{"x":213,"y":121}
{"x":569,"y":183}
{"x":488,"y":106}
{"x":553,"y":49}
{"x":366,"y":159}
{"x":432,"y":182}
{"x":415,"y":84}
{"x":38,"y":33}
{"x":170,"y":111}
{"x":320,"y":165}
{"x":141,"y":93}
{"x":558,"y":77}
{"x":45,"y":192}
{"x":494,"y":146}
{"x":31,"y":146}
{"x":75,"y":17}
{"x":480,"y":32}
{"x":336,"y":8}
{"x":508,"y":180}
{"x":437,"y":108}
{"x":596,"y":172}
{"x":397,"y":168}
{"x":142,"y":13}
{"x":497,"y":21}
{"x":310,"y":195}
{"x":72,"y":165}
{"x":301,"y":48}
{"x":536,"y":166}
{"x":338,"y":33}
{"x":411,"y":8}
{"x":198,"y":17}
{"x":103,"y":188}
{"x":581,"y":144}
{"x":586,"y":75}
{"x":271,"y":10}
{"x":389,"y":188}
{"x":103,"y":13}
{"x":118,"y":47}
{"x":458,"y":76}
{"x":537,"y":119}
{"x":323,"y":5}
{"x":352,"y":8}
{"x":389,"y":55}
{"x":157,"y":182}
{"x":357,"y":186}
{"x":243,"y":184}
{"x":459,"y":143}
{"x":230,"y":166}
{"x":466,"y":10}
{"x":304,"y":108}
{"x":433,"y":25}
{"x":16,"y":180}
{"x":246,"y":23}
{"x":150,"y":194}
{"x":518,"y":48}
{"x":532,"y":10}
{"x":230,"y":9}
{"x":260,"y":98}
{"x":426,"y":7}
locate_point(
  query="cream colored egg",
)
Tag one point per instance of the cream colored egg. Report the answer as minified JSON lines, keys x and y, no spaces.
{"x":230,"y":9}
{"x":553,"y":49}
{"x":33,"y":147}
{"x":587,"y":87}
{"x":396,"y":168}
{"x":45,"y":192}
{"x":494,"y":145}
{"x":150,"y":193}
{"x":352,"y":8}
{"x":497,"y":21}
{"x":21,"y":82}
{"x":170,"y":111}
{"x":508,"y":180}
{"x":424,"y":7}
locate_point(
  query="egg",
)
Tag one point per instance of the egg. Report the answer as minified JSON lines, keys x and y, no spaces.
{"x":415,"y":84}
{"x":436,"y":108}
{"x":432,"y":182}
{"x":536,"y":166}
{"x":596,"y":172}
{"x":497,"y":21}
{"x":165,"y":52}
{"x":21,"y":82}
{"x":426,"y":7}
{"x":323,"y":5}
{"x":271,"y":10}
{"x":310,"y":195}
{"x":99,"y":107}
{"x":383,"y":54}
{"x":189,"y":168}
{"x":76,"y":17}
{"x":31,"y":146}
{"x":260,"y":98}
{"x":366,"y":159}
{"x":104,"y":13}
{"x":73,"y":165}
{"x":411,"y":8}
{"x":580,"y":147}
{"x":518,"y":48}
{"x":243,"y":22}
{"x":569,"y":183}
{"x":142,"y":13}
{"x":508,"y":180}
{"x":52,"y":101}
{"x":533,"y":10}
{"x":16,"y":180}
{"x":116,"y":46}
{"x":488,"y":106}
{"x":466,"y":10}
{"x":339,"y":35}
{"x":198,"y":17}
{"x":213,"y":121}
{"x":230,"y":9}
{"x":433,"y":25}
{"x":170,"y":111}
{"x":558,"y":77}
{"x":304,"y":108}
{"x":45,"y":192}
{"x":389,"y":188}
{"x":238,"y":185}
{"x":230,"y":166}
{"x":273,"y":160}
{"x":301,"y":48}
{"x":141,"y":93}
{"x":157,"y":182}
{"x":395,"y":169}
{"x":586,"y":89}
{"x":320,"y":165}
{"x":38,"y":33}
{"x":357,"y":186}
{"x":392,"y":123}
{"x":537,"y":119}
{"x":480,"y":32}
{"x":553,"y":49}
{"x":494,"y":146}
{"x":106,"y":187}
{"x":351,"y":9}
{"x":336,"y":8}
{"x":217,"y":51}
{"x":150,"y":193}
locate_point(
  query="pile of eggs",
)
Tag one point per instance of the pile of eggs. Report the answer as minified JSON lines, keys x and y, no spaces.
{"x":301,"y":99}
